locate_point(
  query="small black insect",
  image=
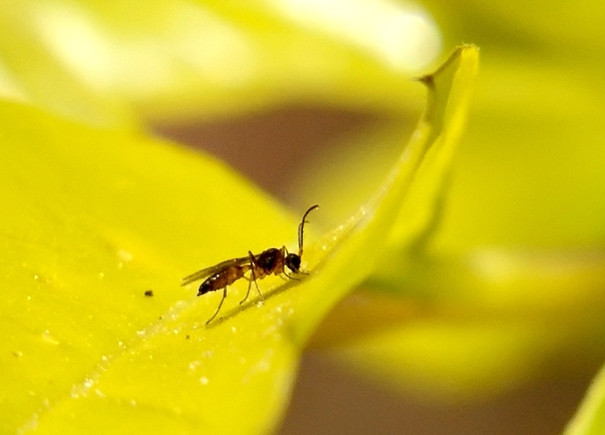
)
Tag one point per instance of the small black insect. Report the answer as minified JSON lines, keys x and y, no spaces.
{"x":272,"y":261}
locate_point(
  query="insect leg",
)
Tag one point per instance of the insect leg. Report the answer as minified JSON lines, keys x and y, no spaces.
{"x":253,"y":267}
{"x":253,"y":278}
{"x":219,"y":306}
{"x":249,"y":285}
{"x":290,"y":276}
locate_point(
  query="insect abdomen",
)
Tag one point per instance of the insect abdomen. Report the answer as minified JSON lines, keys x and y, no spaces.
{"x":208,"y":285}
{"x":221,"y":279}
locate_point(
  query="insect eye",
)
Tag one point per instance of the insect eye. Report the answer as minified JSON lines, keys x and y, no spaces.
{"x":293,"y":262}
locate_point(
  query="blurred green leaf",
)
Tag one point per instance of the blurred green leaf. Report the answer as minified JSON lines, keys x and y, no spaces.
{"x":506,"y":284}
{"x":33,"y":67}
{"x":171,"y":60}
{"x":468,"y":327}
{"x":530,"y":171}
{"x":590,"y":417}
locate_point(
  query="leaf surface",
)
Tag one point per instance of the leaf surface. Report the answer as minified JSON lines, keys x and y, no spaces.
{"x":97,"y":217}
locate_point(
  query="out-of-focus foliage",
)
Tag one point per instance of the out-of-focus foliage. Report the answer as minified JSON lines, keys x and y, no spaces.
{"x":182,"y":58}
{"x":508,"y":283}
{"x":590,"y":418}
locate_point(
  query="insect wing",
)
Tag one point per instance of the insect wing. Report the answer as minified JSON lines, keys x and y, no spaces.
{"x":201,"y":274}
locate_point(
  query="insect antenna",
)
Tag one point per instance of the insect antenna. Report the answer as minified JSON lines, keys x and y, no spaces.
{"x":301,"y":228}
